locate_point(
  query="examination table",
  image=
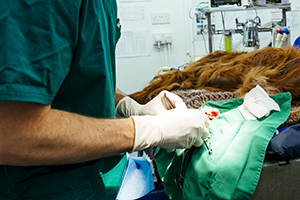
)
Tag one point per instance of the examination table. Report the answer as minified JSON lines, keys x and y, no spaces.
{"x":278,"y":181}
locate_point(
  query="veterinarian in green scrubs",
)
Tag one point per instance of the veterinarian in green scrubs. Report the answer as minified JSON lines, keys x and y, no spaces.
{"x":50,"y":51}
{"x":57,"y":103}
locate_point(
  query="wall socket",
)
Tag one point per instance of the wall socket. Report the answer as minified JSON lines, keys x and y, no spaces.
{"x":163,"y":37}
{"x":161,"y":18}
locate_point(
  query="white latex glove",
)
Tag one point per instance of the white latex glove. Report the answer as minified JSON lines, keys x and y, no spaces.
{"x":128,"y":107}
{"x":176,"y":128}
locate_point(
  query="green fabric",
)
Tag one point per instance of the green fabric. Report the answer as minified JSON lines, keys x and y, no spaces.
{"x":233,"y":169}
{"x":93,"y":180}
{"x":60,"y":53}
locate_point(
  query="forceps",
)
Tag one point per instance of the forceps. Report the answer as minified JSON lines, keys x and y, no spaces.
{"x":179,"y":177}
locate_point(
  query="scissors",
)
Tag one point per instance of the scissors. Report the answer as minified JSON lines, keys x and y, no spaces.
{"x":170,"y":102}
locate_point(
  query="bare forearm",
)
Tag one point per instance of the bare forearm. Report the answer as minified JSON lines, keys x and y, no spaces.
{"x":50,"y":137}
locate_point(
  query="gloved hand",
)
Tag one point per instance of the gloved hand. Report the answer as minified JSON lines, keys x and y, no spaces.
{"x":128,"y":107}
{"x":176,"y":128}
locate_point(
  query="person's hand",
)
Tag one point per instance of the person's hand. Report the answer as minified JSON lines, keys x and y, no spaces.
{"x":128,"y":107}
{"x":176,"y":128}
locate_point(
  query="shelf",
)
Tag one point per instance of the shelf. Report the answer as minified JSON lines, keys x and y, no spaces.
{"x":208,"y":12}
{"x":244,"y":8}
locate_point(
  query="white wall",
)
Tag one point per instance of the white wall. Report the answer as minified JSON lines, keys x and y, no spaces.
{"x":138,"y":59}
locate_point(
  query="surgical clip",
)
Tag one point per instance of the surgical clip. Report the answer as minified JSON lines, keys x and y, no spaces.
{"x":208,"y":147}
{"x":179,"y":178}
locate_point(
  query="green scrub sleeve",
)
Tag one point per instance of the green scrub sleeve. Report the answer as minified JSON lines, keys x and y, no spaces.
{"x":37,"y":43}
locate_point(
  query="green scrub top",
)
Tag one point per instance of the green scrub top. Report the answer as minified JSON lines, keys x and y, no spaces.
{"x":60,"y":53}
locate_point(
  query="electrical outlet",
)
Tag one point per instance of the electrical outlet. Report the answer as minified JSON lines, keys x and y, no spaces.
{"x":161,"y":18}
{"x":162,"y":37}
{"x":168,"y":39}
{"x":158,"y":36}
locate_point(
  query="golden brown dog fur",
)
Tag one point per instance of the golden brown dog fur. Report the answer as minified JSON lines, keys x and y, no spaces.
{"x":276,"y":70}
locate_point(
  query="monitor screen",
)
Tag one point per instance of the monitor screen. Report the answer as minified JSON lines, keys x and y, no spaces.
{"x":217,"y":3}
{"x":275,"y":1}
